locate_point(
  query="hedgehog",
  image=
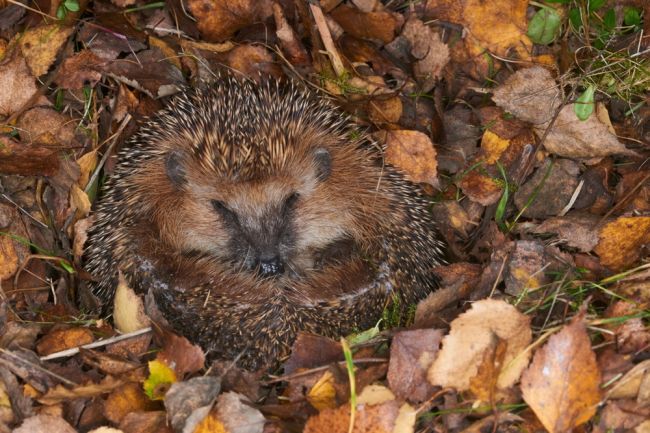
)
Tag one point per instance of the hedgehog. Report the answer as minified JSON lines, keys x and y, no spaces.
{"x":253,"y":211}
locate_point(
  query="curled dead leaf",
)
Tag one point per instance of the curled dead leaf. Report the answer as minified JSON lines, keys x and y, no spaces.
{"x":412,"y":152}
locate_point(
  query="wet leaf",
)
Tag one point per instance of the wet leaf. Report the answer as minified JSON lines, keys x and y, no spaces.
{"x":562,"y":384}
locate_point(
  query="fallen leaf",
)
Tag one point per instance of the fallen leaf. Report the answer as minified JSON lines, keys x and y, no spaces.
{"x":412,"y":152}
{"x":40,"y":46}
{"x":17,"y":84}
{"x":480,"y":188}
{"x":532,"y":95}
{"x":323,"y":394}
{"x":145,"y":422}
{"x":367,"y":25}
{"x":310,"y":350}
{"x":128,"y":309}
{"x":472,"y":334}
{"x":629,"y":385}
{"x":149,"y":71}
{"x":431,"y":54}
{"x":46,"y":126}
{"x":61,"y":393}
{"x":574,"y":230}
{"x":24,"y":160}
{"x":184,"y":399}
{"x":44,"y":424}
{"x":62,"y":339}
{"x":81,"y":69}
{"x":524,"y":270}
{"x":161,"y":377}
{"x":217,"y":20}
{"x":237,"y":416}
{"x":127,"y":398}
{"x":12,"y":252}
{"x":562,"y":384}
{"x":411,"y":355}
{"x":621,"y":240}
{"x":178,"y":352}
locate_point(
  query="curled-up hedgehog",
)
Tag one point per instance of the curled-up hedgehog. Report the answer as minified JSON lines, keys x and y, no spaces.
{"x":253,"y":212}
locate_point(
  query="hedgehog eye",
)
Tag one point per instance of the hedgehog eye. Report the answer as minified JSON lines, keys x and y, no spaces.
{"x":291,"y":200}
{"x":223,"y":210}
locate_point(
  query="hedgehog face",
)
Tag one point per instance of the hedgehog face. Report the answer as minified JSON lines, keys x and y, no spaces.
{"x":272,"y":225}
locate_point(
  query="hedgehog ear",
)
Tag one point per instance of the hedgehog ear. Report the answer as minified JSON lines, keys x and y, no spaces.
{"x":175,"y":170}
{"x":323,"y":163}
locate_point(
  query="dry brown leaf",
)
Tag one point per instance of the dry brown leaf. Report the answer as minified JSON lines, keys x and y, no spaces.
{"x":574,"y":230}
{"x":431,"y":54}
{"x":187,"y":401}
{"x":573,"y":138}
{"x":17,"y":84}
{"x":219,"y":19}
{"x":145,"y":422}
{"x":40,"y":45}
{"x":79,"y":200}
{"x":62,"y":339}
{"x":629,"y":385}
{"x":411,"y":355}
{"x":379,"y":418}
{"x":83,"y":68}
{"x":129,"y":397}
{"x":12,"y":252}
{"x":178,"y":352}
{"x":252,"y":61}
{"x":532,"y":95}
{"x":621,"y":241}
{"x":44,"y":424}
{"x":472,"y":334}
{"x":525,"y":268}
{"x":480,"y":188}
{"x":60,"y":393}
{"x":45,"y":126}
{"x":562,"y":384}
{"x":413,"y":153}
{"x":367,"y":25}
{"x":87,"y":163}
{"x":237,"y":416}
{"x":17,"y":158}
{"x":128,"y":309}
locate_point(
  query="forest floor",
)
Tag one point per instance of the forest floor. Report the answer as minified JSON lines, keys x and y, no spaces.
{"x":528,"y":124}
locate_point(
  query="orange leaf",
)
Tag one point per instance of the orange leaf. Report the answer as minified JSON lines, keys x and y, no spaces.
{"x":562,"y":384}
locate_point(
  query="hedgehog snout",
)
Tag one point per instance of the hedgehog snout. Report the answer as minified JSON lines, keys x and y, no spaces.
{"x":270,"y":266}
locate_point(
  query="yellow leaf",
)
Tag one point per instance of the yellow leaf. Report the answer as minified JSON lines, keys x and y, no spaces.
{"x":494,"y":146}
{"x":41,"y":44}
{"x":621,"y":241}
{"x":161,"y":376}
{"x":322,"y":394}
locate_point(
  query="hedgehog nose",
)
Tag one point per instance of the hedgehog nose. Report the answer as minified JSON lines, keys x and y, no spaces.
{"x":271,"y":267}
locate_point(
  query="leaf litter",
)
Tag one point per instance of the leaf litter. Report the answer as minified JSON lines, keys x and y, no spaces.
{"x":536,"y":164}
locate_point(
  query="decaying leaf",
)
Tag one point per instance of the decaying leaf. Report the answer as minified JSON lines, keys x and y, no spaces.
{"x":44,"y":424}
{"x":531,"y":94}
{"x":187,"y":399}
{"x":127,"y":398}
{"x":562,"y":384}
{"x":412,"y":152}
{"x":17,"y":84}
{"x":40,"y":45}
{"x":218,"y":20}
{"x":411,"y":355}
{"x":621,"y":241}
{"x":370,"y":25}
{"x":472,"y":334}
{"x":431,"y":54}
{"x":62,"y":339}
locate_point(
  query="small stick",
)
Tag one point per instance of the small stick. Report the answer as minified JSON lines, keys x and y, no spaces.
{"x":100,"y":343}
{"x":326,"y":36}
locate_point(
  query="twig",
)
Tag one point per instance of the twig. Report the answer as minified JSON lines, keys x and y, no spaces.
{"x":12,"y":355}
{"x":326,"y":36}
{"x":93,"y":345}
